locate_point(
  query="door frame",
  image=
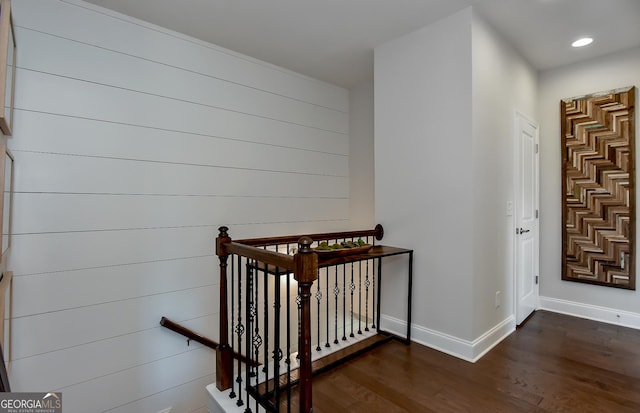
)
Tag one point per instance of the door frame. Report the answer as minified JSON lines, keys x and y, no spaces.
{"x":518,"y":118}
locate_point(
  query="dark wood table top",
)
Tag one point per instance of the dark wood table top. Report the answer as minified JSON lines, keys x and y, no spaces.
{"x":377,"y":251}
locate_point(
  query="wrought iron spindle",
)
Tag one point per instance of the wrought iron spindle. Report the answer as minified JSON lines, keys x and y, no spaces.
{"x":359,"y":297}
{"x":299,"y":304}
{"x":249,"y":340}
{"x":257,"y":339}
{"x":327,"y":345}
{"x":277,"y":351}
{"x":344,"y":302}
{"x":232,"y":394}
{"x":379,"y":265}
{"x":336,"y":293}
{"x":352,"y":287}
{"x":239,"y":331}
{"x":367,"y":283}
{"x":265,"y":297}
{"x":373,"y":293}
{"x":318,"y":299}
{"x":288,"y":312}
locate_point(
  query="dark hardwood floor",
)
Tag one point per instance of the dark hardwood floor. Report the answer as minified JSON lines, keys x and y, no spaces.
{"x":554,"y":363}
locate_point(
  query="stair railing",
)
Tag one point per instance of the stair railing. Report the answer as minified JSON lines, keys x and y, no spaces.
{"x":261,"y":267}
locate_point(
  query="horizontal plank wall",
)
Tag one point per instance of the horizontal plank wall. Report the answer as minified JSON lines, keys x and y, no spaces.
{"x":132,"y":145}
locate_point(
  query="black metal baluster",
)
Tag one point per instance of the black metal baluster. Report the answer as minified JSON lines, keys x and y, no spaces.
{"x":288,"y":312}
{"x":257,"y":339}
{"x":352,"y":287}
{"x":287,"y":360}
{"x":232,"y":394}
{"x":344,"y":302}
{"x":367,"y":283}
{"x":299,"y":304}
{"x":249,"y":340}
{"x":336,"y":293}
{"x":359,"y":297}
{"x":239,"y":332}
{"x":277,"y":351}
{"x":373,"y":295}
{"x":319,"y":299}
{"x":327,"y":306}
{"x":265,"y":297}
{"x":379,"y":288}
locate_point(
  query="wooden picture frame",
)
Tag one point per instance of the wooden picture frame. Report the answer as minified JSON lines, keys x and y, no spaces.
{"x":7,"y":67}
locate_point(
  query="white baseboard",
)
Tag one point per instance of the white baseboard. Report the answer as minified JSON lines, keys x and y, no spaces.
{"x":470,"y":351}
{"x":591,"y":312}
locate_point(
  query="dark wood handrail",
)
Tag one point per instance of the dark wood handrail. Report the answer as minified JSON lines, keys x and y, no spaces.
{"x":277,"y":259}
{"x":191,"y":335}
{"x":205,"y":341}
{"x":377,"y":232}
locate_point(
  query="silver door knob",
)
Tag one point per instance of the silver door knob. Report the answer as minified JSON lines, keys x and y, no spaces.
{"x":521,"y":231}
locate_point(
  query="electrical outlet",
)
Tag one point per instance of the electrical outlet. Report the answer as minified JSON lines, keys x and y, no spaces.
{"x":498,"y":299}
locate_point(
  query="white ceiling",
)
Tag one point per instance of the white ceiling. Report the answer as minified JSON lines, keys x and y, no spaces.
{"x":333,"y":40}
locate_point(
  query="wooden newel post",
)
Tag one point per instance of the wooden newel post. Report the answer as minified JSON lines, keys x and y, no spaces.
{"x":306,"y":273}
{"x":224,"y":353}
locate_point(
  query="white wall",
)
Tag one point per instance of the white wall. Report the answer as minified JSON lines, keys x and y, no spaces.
{"x":423,"y":169}
{"x":361,"y":165}
{"x":132,"y":145}
{"x":605,"y":73}
{"x":503,"y":82}
{"x":444,"y":113}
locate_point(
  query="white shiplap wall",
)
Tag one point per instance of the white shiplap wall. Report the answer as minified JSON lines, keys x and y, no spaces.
{"x":132,"y":145}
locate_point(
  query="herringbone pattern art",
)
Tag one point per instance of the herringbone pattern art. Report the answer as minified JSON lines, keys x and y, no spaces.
{"x":598,"y":191}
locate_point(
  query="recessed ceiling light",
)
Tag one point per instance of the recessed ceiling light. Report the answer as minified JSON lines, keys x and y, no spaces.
{"x":582,"y":42}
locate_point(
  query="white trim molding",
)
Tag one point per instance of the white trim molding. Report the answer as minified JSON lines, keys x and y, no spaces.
{"x":470,"y":351}
{"x":591,"y":312}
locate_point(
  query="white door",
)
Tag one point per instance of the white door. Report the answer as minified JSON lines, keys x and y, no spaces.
{"x":526,"y":218}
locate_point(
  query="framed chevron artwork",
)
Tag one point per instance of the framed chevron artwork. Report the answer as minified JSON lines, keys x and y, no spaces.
{"x":598,"y":188}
